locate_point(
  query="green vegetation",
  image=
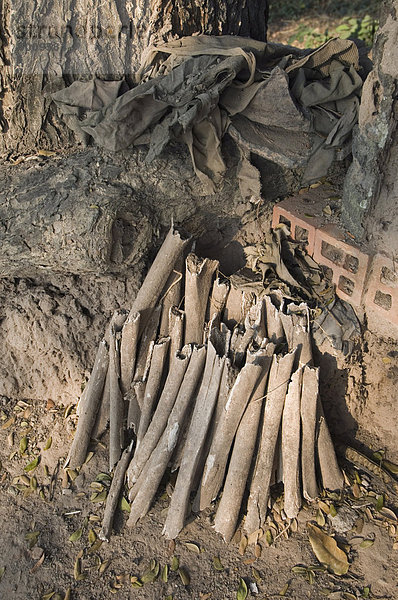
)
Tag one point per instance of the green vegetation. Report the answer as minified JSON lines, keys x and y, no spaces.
{"x":315,"y":22}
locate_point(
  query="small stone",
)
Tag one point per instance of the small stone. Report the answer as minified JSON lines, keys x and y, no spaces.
{"x":36,"y":553}
{"x":344,"y":520}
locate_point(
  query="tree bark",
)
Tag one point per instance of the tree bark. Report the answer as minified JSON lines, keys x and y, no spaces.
{"x":48,"y":44}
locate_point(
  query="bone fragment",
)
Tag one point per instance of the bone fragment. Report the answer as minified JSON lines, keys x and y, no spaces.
{"x":116,"y":404}
{"x":291,"y":446}
{"x":114,"y":494}
{"x":152,"y":387}
{"x":309,"y":402}
{"x":172,"y":295}
{"x":218,"y":298}
{"x":160,"y":416}
{"x":194,"y":444}
{"x":276,"y":391}
{"x":153,"y":284}
{"x":148,"y":339}
{"x":128,"y":350}
{"x":274,"y":326}
{"x":176,"y":330}
{"x":144,"y":490}
{"x":88,"y":414}
{"x":198,"y":276}
{"x":296,"y":325}
{"x":332,"y":477}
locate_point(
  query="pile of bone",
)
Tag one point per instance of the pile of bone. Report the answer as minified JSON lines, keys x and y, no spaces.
{"x":222,"y":390}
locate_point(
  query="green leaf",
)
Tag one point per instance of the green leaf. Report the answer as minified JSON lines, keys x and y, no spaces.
{"x":165,"y":574}
{"x":175,"y":563}
{"x":2,"y":571}
{"x":193,"y":547}
{"x":23,"y":444}
{"x":48,"y":443}
{"x":380,"y":502}
{"x":217,"y":564}
{"x":366,"y":543}
{"x":332,"y":510}
{"x":76,"y":535}
{"x":242,"y":590}
{"x":32,"y":465}
{"x":99,"y":497}
{"x":299,"y":570}
{"x":91,"y":536}
{"x":124,"y":505}
{"x":365,"y":592}
{"x":32,"y":538}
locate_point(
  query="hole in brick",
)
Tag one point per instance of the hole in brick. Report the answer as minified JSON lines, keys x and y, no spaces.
{"x":301,"y":234}
{"x":283,"y":219}
{"x":327,"y":272}
{"x":351,"y":263}
{"x":388,"y":277}
{"x":383,"y":300}
{"x":346,"y":285}
{"x":333,"y":254}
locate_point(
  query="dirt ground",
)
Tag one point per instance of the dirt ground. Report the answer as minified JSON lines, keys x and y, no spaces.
{"x":38,"y":515}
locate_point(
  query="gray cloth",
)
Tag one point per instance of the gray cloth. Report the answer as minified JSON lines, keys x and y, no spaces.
{"x":293,"y":107}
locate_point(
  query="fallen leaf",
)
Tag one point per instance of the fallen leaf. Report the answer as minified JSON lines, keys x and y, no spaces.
{"x":192,"y":547}
{"x":38,"y":564}
{"x":135,"y":582}
{"x":332,"y":510}
{"x":388,"y":513}
{"x":268,"y":537}
{"x":124,"y":505}
{"x":48,"y":443}
{"x":76,"y":535}
{"x":8,"y":423}
{"x":47,"y":153}
{"x":327,"y":551}
{"x":256,"y":575}
{"x":257,"y":551}
{"x":151,"y":574}
{"x":32,"y":465}
{"x":243,"y":545}
{"x":47,"y":596}
{"x":284,"y":589}
{"x":390,"y":466}
{"x":184,"y":576}
{"x":175,"y":563}
{"x":380,"y":502}
{"x":217,"y":564}
{"x":356,"y":490}
{"x":101,"y":497}
{"x":242,"y":590}
{"x":299,"y":570}
{"x":91,"y":536}
{"x":32,"y":538}
{"x":23,"y":444}
{"x":95,"y":547}
{"x":320,"y":518}
{"x":366,"y":543}
{"x":88,"y":457}
{"x":165,"y":574}
{"x":104,"y":565}
{"x":366,"y":592}
{"x":67,"y":594}
{"x":2,"y":571}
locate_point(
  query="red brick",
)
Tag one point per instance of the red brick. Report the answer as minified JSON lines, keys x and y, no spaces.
{"x":304,"y":212}
{"x":381,"y":294}
{"x":348,"y":264}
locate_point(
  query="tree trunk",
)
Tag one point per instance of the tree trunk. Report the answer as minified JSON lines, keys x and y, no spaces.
{"x":370,"y":206}
{"x":48,"y":44}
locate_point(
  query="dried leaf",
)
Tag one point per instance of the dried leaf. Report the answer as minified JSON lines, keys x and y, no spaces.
{"x":8,"y":423}
{"x":217,"y":564}
{"x":192,"y":547}
{"x":76,"y":535}
{"x":165,"y":574}
{"x":366,"y":543}
{"x":124,"y":505}
{"x":243,"y":545}
{"x":48,"y":443}
{"x":320,"y":518}
{"x":242,"y":590}
{"x":47,"y":596}
{"x":77,"y":570}
{"x":388,"y":514}
{"x":284,"y":589}
{"x":32,"y":538}
{"x":256,"y":575}
{"x":380,"y":502}
{"x":135,"y":582}
{"x":299,"y":570}
{"x":88,"y":457}
{"x":184,"y":576}
{"x":356,"y":490}
{"x":294,"y":525}
{"x":67,"y":594}
{"x":175,"y":563}
{"x":32,"y":465}
{"x":390,"y":466}
{"x":103,"y":477}
{"x":366,"y":592}
{"x":23,"y":444}
{"x":257,"y":551}
{"x":327,"y":551}
{"x":91,"y":536}
{"x":268,"y":537}
{"x":95,"y":547}
{"x":2,"y":571}
{"x":151,"y":574}
{"x":38,"y":564}
{"x":104,"y":565}
{"x":323,"y":506}
{"x":101,"y":497}
{"x":332,"y":510}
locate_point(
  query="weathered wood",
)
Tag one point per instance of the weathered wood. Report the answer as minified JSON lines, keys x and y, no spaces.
{"x":161,"y":414}
{"x":224,"y":434}
{"x":143,"y":492}
{"x":114,"y":493}
{"x":158,"y":274}
{"x":135,"y":399}
{"x":198,"y":429}
{"x":309,"y":403}
{"x":116,"y":403}
{"x":88,"y":413}
{"x":128,"y":350}
{"x":276,"y":392}
{"x":291,"y":430}
{"x":296,"y":325}
{"x":102,"y":420}
{"x":152,"y":387}
{"x":198,"y":276}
